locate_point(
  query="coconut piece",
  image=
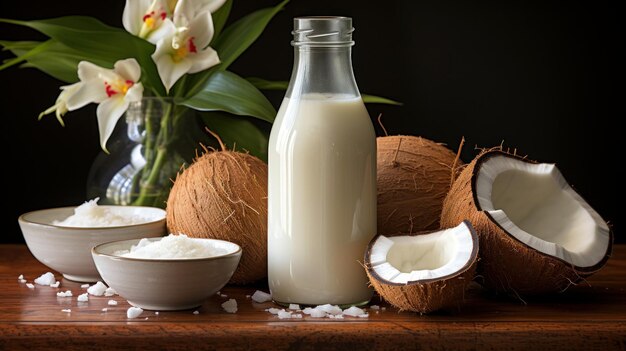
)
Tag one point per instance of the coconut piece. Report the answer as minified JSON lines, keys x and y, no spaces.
{"x":23,"y":281}
{"x":423,"y":272}
{"x":375,"y":307}
{"x":294,"y":306}
{"x":46,"y":279}
{"x":261,"y":297}
{"x":272,"y":310}
{"x":230,"y":306}
{"x":282,"y":314}
{"x":330,"y":309}
{"x":21,"y":277}
{"x":67,"y":310}
{"x":112,"y":303}
{"x":84,"y":286}
{"x":133,"y":312}
{"x":105,"y":309}
{"x":196,"y":312}
{"x":314,"y":312}
{"x":414,"y":175}
{"x":67,"y":293}
{"x":55,"y":284}
{"x":537,"y":235}
{"x":110,"y":292}
{"x":97,"y":289}
{"x":83,"y":297}
{"x":354,"y":312}
{"x":30,"y":286}
{"x":223,"y":195}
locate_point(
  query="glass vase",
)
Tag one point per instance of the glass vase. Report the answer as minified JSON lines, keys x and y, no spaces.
{"x":146,"y":150}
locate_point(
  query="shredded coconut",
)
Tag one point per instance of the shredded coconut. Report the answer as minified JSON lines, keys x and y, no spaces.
{"x":260,"y":296}
{"x":64,"y":294}
{"x":133,"y":312}
{"x":230,"y":306}
{"x":97,"y":289}
{"x":171,"y":247}
{"x":91,"y":215}
{"x":46,"y":279}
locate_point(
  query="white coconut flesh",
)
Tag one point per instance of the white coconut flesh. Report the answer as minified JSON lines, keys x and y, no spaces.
{"x":534,"y":204}
{"x":404,"y":259}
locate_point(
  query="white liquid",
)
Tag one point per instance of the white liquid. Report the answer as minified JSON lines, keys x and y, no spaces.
{"x":322,"y":200}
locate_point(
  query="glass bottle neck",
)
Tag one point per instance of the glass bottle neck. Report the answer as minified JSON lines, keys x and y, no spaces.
{"x":322,"y":70}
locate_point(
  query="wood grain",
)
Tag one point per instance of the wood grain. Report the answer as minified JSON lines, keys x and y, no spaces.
{"x":589,"y":316}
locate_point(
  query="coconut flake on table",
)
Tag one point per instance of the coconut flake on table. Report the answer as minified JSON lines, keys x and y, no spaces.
{"x":55,"y":285}
{"x":83,"y":297}
{"x":22,"y":281}
{"x":173,"y":246}
{"x":230,"y":306}
{"x":84,"y":286}
{"x":133,"y":312}
{"x":67,"y":310}
{"x":261,"y":297}
{"x":46,"y":279}
{"x":273,"y":310}
{"x":112,"y":303}
{"x":105,"y":309}
{"x":21,"y":277}
{"x":30,"y":286}
{"x":355,"y":312}
{"x":294,"y":306}
{"x":64,"y":294}
{"x":196,"y":312}
{"x":110,"y":292}
{"x":282,"y":314}
{"x":375,"y":307}
{"x":314,"y":312}
{"x":97,"y":289}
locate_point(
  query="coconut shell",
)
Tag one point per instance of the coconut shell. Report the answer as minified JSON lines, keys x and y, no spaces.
{"x":427,"y":295}
{"x":223,"y":195}
{"x":507,"y":265}
{"x":414,"y":175}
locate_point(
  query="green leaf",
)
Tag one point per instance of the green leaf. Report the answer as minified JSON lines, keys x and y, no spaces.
{"x":373,"y":99}
{"x":23,"y":57}
{"x":226,"y":91}
{"x":97,"y":41}
{"x":239,"y":133}
{"x":234,"y":40}
{"x":240,"y":35}
{"x":58,"y":60}
{"x":264,"y":84}
{"x":220,"y":17}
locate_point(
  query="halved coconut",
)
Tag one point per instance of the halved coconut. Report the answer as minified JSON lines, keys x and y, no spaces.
{"x":537,"y":234}
{"x":423,"y":272}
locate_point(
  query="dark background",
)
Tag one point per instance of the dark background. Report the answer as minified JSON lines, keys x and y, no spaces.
{"x":547,"y":79}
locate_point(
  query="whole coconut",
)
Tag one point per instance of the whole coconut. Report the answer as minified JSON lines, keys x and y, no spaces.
{"x":414,"y":176}
{"x":223,"y":195}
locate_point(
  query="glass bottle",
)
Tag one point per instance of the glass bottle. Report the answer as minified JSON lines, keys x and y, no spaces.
{"x":322,"y":174}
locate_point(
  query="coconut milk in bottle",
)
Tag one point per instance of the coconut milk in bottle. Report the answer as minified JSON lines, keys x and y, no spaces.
{"x":322,"y":174}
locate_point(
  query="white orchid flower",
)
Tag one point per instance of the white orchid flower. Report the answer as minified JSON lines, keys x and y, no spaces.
{"x":114,"y":89}
{"x":187,"y":49}
{"x":60,"y":107}
{"x":148,"y":19}
{"x":204,"y":5}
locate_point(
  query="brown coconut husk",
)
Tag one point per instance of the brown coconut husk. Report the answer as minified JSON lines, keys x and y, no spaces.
{"x":426,"y":296}
{"x":507,"y":265}
{"x":223,"y":195}
{"x":414,"y":175}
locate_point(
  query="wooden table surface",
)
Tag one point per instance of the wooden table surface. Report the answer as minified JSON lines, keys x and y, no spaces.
{"x":587,"y":317}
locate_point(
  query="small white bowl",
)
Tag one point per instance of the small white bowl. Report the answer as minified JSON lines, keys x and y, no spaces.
{"x":166,"y":284}
{"x":68,"y":249}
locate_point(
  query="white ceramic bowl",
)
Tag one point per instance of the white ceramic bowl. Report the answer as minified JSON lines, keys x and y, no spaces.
{"x":166,"y":284}
{"x":68,"y":249}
